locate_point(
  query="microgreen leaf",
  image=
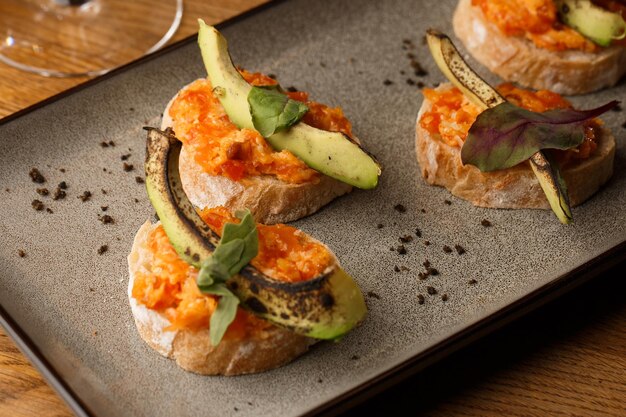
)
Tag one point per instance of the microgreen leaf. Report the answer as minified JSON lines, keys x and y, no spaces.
{"x":238,"y":245}
{"x":505,"y":135}
{"x":272,"y":110}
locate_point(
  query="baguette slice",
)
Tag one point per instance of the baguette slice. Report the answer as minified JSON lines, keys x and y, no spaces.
{"x":518,"y":59}
{"x":192,"y":350}
{"x":516,"y":187}
{"x":269,"y":199}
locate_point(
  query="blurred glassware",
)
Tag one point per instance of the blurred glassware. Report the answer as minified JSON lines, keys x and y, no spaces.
{"x":67,"y":38}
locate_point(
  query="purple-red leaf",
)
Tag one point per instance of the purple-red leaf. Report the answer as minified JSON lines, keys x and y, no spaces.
{"x":506,"y":135}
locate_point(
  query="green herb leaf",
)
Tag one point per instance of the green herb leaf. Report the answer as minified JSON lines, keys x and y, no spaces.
{"x":238,"y":245}
{"x":505,"y":135}
{"x":272,"y":110}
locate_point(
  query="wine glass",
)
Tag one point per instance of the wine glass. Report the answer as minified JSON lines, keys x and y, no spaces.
{"x":66,"y":38}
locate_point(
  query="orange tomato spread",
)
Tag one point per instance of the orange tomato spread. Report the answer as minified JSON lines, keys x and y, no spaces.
{"x":451,"y":115}
{"x":537,"y":20}
{"x":221,"y":148}
{"x":285,"y":254}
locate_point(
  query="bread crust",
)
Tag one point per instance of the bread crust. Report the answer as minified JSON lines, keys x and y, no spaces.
{"x":518,"y":59}
{"x":269,"y":199}
{"x":192,"y":350}
{"x":516,"y":187}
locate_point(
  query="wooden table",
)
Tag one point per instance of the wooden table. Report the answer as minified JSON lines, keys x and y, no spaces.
{"x":568,"y":358}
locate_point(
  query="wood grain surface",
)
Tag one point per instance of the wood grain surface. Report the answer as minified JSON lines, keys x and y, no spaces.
{"x":568,"y":358}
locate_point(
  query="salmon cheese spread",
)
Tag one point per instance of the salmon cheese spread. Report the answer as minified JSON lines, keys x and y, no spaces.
{"x":285,"y":254}
{"x":451,"y":115}
{"x":221,"y":148}
{"x":537,"y":20}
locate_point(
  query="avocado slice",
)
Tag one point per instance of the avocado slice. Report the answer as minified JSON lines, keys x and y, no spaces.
{"x":479,"y":92}
{"x":325,"y":307}
{"x":593,"y":22}
{"x":331,"y":153}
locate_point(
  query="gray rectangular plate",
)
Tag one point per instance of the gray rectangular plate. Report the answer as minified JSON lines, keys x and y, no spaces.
{"x":67,"y":305}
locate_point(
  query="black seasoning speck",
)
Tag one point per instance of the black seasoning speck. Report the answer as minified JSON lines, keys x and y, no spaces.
{"x":7,"y":190}
{"x":272,"y":76}
{"x":402,"y":72}
{"x":21,"y":253}
{"x":37,"y":205}
{"x":235,"y":408}
{"x":323,"y":64}
{"x":139,"y":180}
{"x":63,"y":185}
{"x":380,"y":225}
{"x":106,"y":219}
{"x":372,"y":294}
{"x":43,"y":191}
{"x":399,"y":208}
{"x":354,"y":358}
{"x":401,"y":250}
{"x":396,"y":268}
{"x":432,"y":271}
{"x":104,"y":144}
{"x":86,"y":196}
{"x":103,"y":191}
{"x":59,"y":194}
{"x":420,"y":299}
{"x":447,"y":249}
{"x":292,"y":89}
{"x":391,"y":248}
{"x":128,"y":167}
{"x":387,"y":82}
{"x":125,"y":157}
{"x":444,"y":297}
{"x":418,"y":233}
{"x":420,"y":84}
{"x":104,"y":169}
{"x":447,"y":202}
{"x":410,"y":81}
{"x":49,"y":210}
{"x":426,"y":263}
{"x":36,"y":176}
{"x":427,"y":242}
{"x":104,"y":208}
{"x":62,"y":170}
{"x":136,"y":200}
{"x":617,"y":108}
{"x":472,"y":282}
{"x":423,"y":210}
{"x":102,"y":249}
{"x":111,"y":143}
{"x":431,"y":290}
{"x":405,"y":239}
{"x":485,"y":223}
{"x":459,"y":249}
{"x":422,"y":275}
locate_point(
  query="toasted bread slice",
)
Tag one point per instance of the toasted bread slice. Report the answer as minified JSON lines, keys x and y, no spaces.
{"x":269,"y":199}
{"x":518,"y":59}
{"x":516,"y":187}
{"x":192,"y":350}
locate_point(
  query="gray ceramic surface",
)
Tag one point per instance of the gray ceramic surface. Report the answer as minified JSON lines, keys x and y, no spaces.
{"x":72,"y":302}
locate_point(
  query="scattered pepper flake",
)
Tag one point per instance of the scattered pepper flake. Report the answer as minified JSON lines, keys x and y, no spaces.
{"x":43,"y":191}
{"x":139,"y":180}
{"x":426,"y":263}
{"x":106,"y":219}
{"x":21,"y":253}
{"x":418,"y":232}
{"x":472,"y":282}
{"x":62,"y":170}
{"x":432,"y":271}
{"x":128,"y":167}
{"x":431,"y":290}
{"x":427,"y":242}
{"x":354,"y":357}
{"x":86,"y":196}
{"x":387,"y":82}
{"x":422,"y":275}
{"x":396,"y":268}
{"x":400,"y":208}
{"x":420,"y":299}
{"x":37,"y":205}
{"x":103,"y":249}
{"x":447,"y":202}
{"x":36,"y":176}
{"x":372,"y":294}
{"x":444,"y":297}
{"x":104,"y":208}
{"x":405,"y":239}
{"x":49,"y":210}
{"x":380,"y":225}
{"x":485,"y":223}
{"x":125,"y":157}
{"x":63,"y":185}
{"x":59,"y":194}
{"x":111,"y":143}
{"x":401,"y":250}
{"x":459,"y":249}
{"x":447,"y":249}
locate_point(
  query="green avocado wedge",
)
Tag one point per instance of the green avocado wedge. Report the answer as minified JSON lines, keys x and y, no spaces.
{"x":325,"y":307}
{"x":479,"y":92}
{"x":331,"y":153}
{"x":593,"y":22}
